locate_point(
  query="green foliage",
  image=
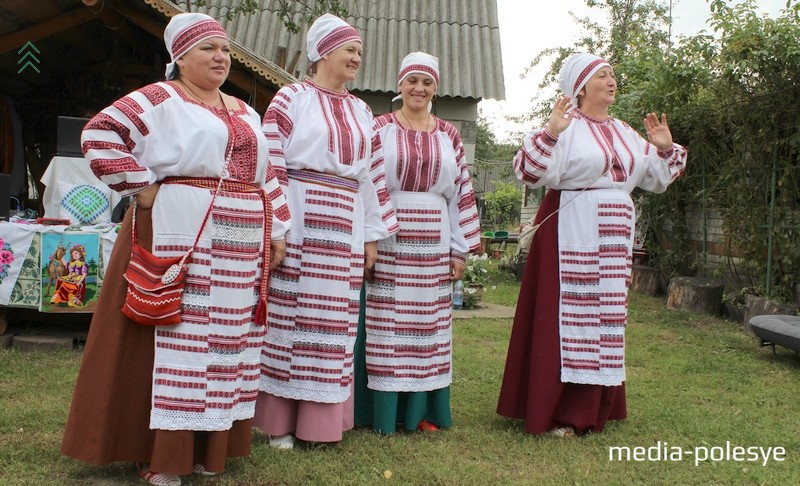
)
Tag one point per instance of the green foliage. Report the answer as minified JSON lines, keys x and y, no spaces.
{"x":731,"y":99}
{"x":293,"y":13}
{"x":487,"y":148}
{"x":502,"y":205}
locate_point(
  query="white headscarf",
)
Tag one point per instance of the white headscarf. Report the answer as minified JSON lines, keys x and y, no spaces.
{"x":419,"y":63}
{"x":576,"y":71}
{"x":326,"y":34}
{"x":185,"y":31}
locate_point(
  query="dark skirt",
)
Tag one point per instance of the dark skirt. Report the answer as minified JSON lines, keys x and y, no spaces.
{"x":532,"y":389}
{"x":110,"y":413}
{"x":384,"y":410}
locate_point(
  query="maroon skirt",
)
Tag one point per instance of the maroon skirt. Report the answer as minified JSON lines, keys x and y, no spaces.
{"x":532,"y":389}
{"x":109,"y":419}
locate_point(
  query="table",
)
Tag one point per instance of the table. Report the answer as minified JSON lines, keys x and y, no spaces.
{"x":24,"y":273}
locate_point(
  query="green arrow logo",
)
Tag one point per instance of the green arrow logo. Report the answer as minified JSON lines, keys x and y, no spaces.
{"x":32,"y":60}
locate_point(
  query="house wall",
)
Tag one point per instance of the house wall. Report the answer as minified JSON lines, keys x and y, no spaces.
{"x":461,"y":112}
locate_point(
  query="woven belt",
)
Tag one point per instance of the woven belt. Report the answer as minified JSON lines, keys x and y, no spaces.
{"x":241,"y":187}
{"x":324,"y":179}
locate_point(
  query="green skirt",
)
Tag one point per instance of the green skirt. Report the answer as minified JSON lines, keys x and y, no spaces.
{"x":384,"y":410}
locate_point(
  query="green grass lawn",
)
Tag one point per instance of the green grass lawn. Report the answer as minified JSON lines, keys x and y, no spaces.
{"x":694,"y":382}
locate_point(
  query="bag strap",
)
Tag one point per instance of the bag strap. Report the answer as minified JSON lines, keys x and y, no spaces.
{"x":536,"y":226}
{"x":228,"y":156}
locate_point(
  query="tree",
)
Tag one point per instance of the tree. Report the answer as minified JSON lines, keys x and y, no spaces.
{"x":731,"y":99}
{"x":487,"y":148}
{"x":636,"y":29}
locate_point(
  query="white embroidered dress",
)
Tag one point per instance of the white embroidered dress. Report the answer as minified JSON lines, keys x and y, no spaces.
{"x":205,"y":374}
{"x":330,"y":164}
{"x":408,"y":316}
{"x":595,"y":232}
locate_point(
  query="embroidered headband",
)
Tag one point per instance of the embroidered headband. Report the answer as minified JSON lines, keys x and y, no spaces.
{"x":326,"y":34}
{"x":576,"y":71}
{"x":185,"y":31}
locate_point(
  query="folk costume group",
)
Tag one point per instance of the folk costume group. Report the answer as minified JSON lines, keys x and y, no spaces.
{"x":325,"y":243}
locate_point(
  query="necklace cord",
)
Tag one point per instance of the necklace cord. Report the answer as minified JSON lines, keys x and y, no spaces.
{"x":427,"y":123}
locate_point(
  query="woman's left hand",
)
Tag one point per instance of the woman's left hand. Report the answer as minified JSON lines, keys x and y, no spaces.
{"x":370,"y":257}
{"x":658,"y":131}
{"x":277,"y":252}
{"x":456,"y":270}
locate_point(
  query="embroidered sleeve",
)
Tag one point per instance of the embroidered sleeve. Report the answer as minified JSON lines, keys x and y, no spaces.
{"x":465,"y":228}
{"x":110,"y":139}
{"x":277,"y":126}
{"x":380,"y":219}
{"x":663,"y":166}
{"x":535,"y":157}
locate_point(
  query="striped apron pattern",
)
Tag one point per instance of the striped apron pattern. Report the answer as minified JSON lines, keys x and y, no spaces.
{"x":408,"y":319}
{"x":314,"y":294}
{"x":206,"y":373}
{"x":595,"y":272}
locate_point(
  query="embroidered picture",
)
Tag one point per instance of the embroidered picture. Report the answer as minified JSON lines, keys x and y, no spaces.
{"x":69,"y":272}
{"x":6,"y":259}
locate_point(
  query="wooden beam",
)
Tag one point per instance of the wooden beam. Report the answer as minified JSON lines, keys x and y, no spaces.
{"x":153,"y":25}
{"x":34,"y":13}
{"x":45,"y":29}
{"x":116,"y":22}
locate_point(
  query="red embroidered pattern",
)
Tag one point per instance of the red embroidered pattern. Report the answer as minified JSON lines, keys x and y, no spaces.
{"x":155,"y":94}
{"x":337,"y":37}
{"x":280,"y":119}
{"x":585,"y":73}
{"x":131,"y":109}
{"x":339,"y":125}
{"x":420,"y":68}
{"x":194,"y":34}
{"x":104,"y":122}
{"x":245,"y":150}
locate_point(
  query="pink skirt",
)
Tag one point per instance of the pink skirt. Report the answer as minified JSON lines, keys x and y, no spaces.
{"x":308,"y":421}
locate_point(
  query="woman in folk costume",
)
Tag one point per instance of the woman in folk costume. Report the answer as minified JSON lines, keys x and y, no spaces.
{"x":330,"y":164}
{"x":71,"y":288}
{"x":404,"y":351}
{"x":565,"y":370}
{"x":180,"y":399}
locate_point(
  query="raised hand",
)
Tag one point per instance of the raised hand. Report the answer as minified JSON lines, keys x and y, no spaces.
{"x":658,"y":131}
{"x":559,"y":117}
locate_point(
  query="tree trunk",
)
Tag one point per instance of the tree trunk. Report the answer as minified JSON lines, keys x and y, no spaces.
{"x":645,"y":280}
{"x":695,"y":294}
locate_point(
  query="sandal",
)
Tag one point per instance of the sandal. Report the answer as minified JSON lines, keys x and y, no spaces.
{"x":201,"y":470}
{"x":426,"y":426}
{"x":157,"y":478}
{"x":562,"y":432}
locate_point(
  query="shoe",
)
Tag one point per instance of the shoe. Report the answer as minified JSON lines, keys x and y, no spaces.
{"x":426,"y":426}
{"x":201,"y":470}
{"x":282,"y":441}
{"x":562,"y":432}
{"x":157,"y":478}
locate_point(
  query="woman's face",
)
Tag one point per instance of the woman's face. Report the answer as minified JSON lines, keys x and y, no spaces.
{"x":417,"y":91}
{"x":600,"y":90}
{"x":76,"y":255}
{"x":344,"y":61}
{"x":207,"y":64}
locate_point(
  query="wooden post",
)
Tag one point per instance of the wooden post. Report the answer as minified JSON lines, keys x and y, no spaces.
{"x":695,"y":294}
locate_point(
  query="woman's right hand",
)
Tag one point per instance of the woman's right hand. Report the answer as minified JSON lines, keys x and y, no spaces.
{"x":559,"y":117}
{"x":146,"y":198}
